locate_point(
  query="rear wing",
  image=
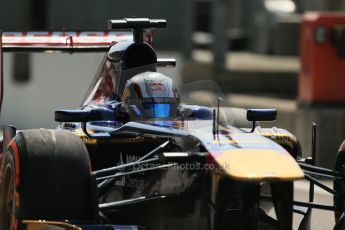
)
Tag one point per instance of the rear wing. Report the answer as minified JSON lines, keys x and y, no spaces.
{"x":139,"y":30}
{"x":62,"y":41}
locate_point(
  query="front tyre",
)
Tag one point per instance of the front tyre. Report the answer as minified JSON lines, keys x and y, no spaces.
{"x":45,"y":174}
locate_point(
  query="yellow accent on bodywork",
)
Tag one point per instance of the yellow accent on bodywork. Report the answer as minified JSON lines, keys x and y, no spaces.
{"x":258,"y":165}
{"x":87,"y":140}
{"x":49,"y":225}
{"x":281,"y":137}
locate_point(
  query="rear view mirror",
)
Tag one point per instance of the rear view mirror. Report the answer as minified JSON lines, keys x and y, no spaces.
{"x":73,"y":115}
{"x":261,"y":115}
{"x":95,"y":114}
{"x":255,"y":115}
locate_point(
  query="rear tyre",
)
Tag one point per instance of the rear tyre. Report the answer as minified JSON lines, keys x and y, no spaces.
{"x":46,"y":175}
{"x":339,"y":185}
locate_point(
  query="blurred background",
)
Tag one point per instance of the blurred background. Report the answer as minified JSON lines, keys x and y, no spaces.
{"x":251,"y":48}
{"x":261,"y":53}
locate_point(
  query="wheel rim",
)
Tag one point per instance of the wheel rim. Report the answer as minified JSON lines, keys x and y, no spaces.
{"x":7,"y":202}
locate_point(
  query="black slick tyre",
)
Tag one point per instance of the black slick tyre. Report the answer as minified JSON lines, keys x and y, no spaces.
{"x":45,"y":175}
{"x":339,"y":185}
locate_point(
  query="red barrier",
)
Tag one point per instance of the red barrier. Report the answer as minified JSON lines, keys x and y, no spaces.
{"x":322,"y":74}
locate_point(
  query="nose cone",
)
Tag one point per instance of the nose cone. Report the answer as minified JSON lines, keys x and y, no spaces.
{"x":258,"y":165}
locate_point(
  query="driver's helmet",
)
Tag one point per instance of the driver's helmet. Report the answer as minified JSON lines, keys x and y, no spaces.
{"x":150,"y":95}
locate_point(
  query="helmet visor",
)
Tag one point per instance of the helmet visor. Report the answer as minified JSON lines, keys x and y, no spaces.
{"x":158,"y":110}
{"x":154,"y":110}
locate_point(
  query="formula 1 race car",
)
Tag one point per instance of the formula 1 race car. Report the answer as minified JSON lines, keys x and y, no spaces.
{"x":134,"y":156}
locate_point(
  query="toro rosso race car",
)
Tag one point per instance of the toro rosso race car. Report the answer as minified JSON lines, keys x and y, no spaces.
{"x":135,"y":156}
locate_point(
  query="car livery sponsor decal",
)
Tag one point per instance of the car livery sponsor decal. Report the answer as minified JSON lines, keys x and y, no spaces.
{"x":159,"y":100}
{"x":157,"y":88}
{"x":87,"y":140}
{"x":127,"y":181}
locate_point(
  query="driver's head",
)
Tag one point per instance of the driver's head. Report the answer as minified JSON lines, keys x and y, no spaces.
{"x":150,"y":95}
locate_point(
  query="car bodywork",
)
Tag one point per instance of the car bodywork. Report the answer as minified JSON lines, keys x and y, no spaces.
{"x":198,"y":171}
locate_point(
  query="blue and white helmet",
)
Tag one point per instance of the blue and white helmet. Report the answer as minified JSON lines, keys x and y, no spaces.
{"x":151,"y":95}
